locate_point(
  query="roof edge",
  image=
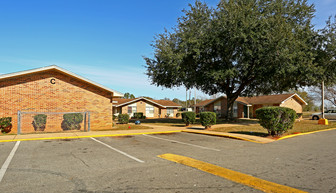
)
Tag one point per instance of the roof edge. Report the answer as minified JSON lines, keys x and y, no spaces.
{"x":54,"y":67}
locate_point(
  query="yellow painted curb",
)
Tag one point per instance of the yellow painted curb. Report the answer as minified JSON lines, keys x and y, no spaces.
{"x":234,"y":176}
{"x":223,"y":135}
{"x":294,"y":135}
{"x":78,"y":137}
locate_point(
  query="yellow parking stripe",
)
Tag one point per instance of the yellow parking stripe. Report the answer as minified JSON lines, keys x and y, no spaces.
{"x":88,"y":136}
{"x":294,"y":135}
{"x":234,"y":176}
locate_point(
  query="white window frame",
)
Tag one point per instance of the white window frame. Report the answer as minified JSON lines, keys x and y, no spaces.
{"x":170,"y":111}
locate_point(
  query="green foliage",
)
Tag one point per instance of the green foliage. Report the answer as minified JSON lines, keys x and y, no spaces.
{"x":71,"y":121}
{"x":40,"y":122}
{"x":128,"y":96}
{"x":138,"y":115}
{"x":188,"y":117}
{"x":325,"y":52}
{"x":239,"y":48}
{"x":178,"y":114}
{"x":208,"y":119}
{"x":276,"y":120}
{"x":123,"y":118}
{"x":5,"y":122}
{"x":114,"y":117}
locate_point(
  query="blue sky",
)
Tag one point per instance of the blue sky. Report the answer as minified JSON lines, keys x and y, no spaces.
{"x":102,"y":40}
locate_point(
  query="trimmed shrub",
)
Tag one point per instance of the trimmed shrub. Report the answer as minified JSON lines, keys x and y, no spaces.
{"x":71,"y":121}
{"x":188,"y":117}
{"x":138,"y":115}
{"x":178,"y":114}
{"x":40,"y":122}
{"x":5,"y":121}
{"x":6,"y":124}
{"x":276,"y":120}
{"x":123,"y":118}
{"x":197,"y":115}
{"x":207,"y":119}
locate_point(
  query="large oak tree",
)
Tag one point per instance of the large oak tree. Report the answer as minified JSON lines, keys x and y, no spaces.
{"x":239,"y":48}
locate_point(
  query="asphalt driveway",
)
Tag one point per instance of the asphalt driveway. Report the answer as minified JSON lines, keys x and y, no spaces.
{"x":130,"y":163}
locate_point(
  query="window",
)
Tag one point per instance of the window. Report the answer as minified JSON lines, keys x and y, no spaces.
{"x":131,"y":109}
{"x":170,"y":112}
{"x":217,"y":106}
{"x":149,"y":110}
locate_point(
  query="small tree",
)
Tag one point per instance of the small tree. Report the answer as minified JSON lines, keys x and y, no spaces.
{"x":40,"y":122}
{"x":71,"y":121}
{"x":208,"y":119}
{"x":5,"y":124}
{"x":276,"y":120}
{"x":123,"y":118}
{"x":188,"y":118}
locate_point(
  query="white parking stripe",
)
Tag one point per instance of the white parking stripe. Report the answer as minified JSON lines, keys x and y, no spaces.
{"x":182,"y":142}
{"x":8,"y":160}
{"x":134,"y":158}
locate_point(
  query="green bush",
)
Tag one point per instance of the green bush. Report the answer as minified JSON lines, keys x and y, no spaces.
{"x":197,"y":115}
{"x":276,"y":120}
{"x":40,"y":122}
{"x":123,"y":118}
{"x":71,"y":121}
{"x":138,"y":115}
{"x":178,"y":114}
{"x":207,"y":119}
{"x":188,"y":117}
{"x":4,"y":123}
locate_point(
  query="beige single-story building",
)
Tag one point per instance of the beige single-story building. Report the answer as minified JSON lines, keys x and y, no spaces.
{"x":245,"y":107}
{"x":149,"y":107}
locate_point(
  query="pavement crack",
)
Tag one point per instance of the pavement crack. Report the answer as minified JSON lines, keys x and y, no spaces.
{"x":73,"y":155}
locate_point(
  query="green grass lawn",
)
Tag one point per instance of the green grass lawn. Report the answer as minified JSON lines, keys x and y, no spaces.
{"x":301,"y":126}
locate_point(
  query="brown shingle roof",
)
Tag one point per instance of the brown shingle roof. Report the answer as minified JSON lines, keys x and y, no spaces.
{"x":164,"y":103}
{"x":205,"y":102}
{"x":265,"y":99}
{"x":167,"y":103}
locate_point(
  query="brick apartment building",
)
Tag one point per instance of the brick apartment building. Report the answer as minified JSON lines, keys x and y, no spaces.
{"x":53,"y":89}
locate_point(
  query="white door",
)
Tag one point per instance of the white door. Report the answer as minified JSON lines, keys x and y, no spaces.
{"x":149,"y":110}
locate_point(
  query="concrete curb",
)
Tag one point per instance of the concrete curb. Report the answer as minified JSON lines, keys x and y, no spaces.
{"x":294,"y":135}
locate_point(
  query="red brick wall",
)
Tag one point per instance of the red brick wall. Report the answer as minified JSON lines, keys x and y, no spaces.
{"x":35,"y":93}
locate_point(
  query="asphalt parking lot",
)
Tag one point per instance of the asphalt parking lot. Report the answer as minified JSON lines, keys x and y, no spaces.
{"x":131,"y":163}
